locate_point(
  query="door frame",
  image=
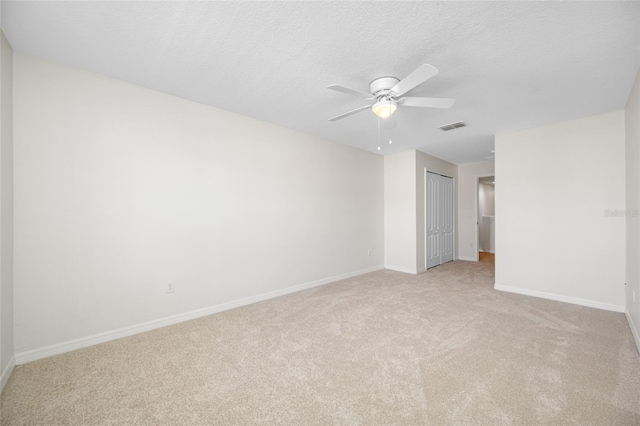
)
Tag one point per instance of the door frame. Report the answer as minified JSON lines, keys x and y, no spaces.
{"x":477,"y":215}
{"x":455,"y":214}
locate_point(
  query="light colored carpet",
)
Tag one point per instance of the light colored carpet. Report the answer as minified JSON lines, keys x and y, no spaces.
{"x":384,"y":348}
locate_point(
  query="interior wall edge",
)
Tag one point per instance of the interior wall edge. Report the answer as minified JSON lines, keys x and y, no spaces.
{"x":561,"y":298}
{"x":6,"y":373}
{"x":467,"y":259}
{"x":634,"y":329}
{"x":413,"y":271}
{"x":7,"y":345}
{"x":60,"y":348}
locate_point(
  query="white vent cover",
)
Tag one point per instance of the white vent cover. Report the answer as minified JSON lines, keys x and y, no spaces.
{"x":452,"y":126}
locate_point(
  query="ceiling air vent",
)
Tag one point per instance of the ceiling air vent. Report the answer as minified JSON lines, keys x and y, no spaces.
{"x":452,"y":126}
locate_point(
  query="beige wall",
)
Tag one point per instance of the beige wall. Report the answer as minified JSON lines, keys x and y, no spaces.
{"x":486,"y":198}
{"x":400,"y":212}
{"x":554,"y":187}
{"x":6,"y":211}
{"x":467,"y":213}
{"x":632,"y":146}
{"x":486,"y":225}
{"x":120,"y":190}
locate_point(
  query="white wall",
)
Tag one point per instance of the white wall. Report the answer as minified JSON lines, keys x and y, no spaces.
{"x":486,"y":200}
{"x":632,"y":171}
{"x":400,"y":212}
{"x":435,"y":165}
{"x":120,"y":190}
{"x":554,"y":186}
{"x":467,"y":213}
{"x":6,"y":211}
{"x":486,"y":207}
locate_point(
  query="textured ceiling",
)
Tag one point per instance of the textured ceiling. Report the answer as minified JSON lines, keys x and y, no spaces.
{"x":510,"y":65}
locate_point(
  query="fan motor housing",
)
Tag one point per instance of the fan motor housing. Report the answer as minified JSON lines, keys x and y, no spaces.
{"x":382,"y":86}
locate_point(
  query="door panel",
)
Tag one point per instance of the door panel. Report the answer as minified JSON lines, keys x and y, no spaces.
{"x":440,"y":215}
{"x":446,"y":228}
{"x":433,"y":220}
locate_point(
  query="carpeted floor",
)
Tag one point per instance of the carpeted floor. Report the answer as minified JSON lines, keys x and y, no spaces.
{"x":441,"y":347}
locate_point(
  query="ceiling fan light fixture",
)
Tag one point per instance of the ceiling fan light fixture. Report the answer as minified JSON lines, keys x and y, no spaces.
{"x":384,"y":108}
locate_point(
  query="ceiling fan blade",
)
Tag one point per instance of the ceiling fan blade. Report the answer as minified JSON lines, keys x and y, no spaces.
{"x":428,"y":102}
{"x":420,"y":75}
{"x":348,"y":91}
{"x":346,"y":114}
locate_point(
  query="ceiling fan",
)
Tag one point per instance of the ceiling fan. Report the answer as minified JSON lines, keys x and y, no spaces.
{"x":387,"y":93}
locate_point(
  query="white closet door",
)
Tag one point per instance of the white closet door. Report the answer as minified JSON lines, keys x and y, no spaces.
{"x":446,"y":220}
{"x":433,"y":219}
{"x":439,"y":219}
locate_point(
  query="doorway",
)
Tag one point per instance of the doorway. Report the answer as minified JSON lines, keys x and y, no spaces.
{"x":439,"y":219}
{"x":486,"y":222}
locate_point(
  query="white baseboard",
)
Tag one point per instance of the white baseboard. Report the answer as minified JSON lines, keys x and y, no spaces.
{"x":634,"y":330}
{"x":401,"y":269}
{"x":468,"y":259}
{"x":560,"y":298}
{"x":4,"y":377}
{"x":40,"y":353}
